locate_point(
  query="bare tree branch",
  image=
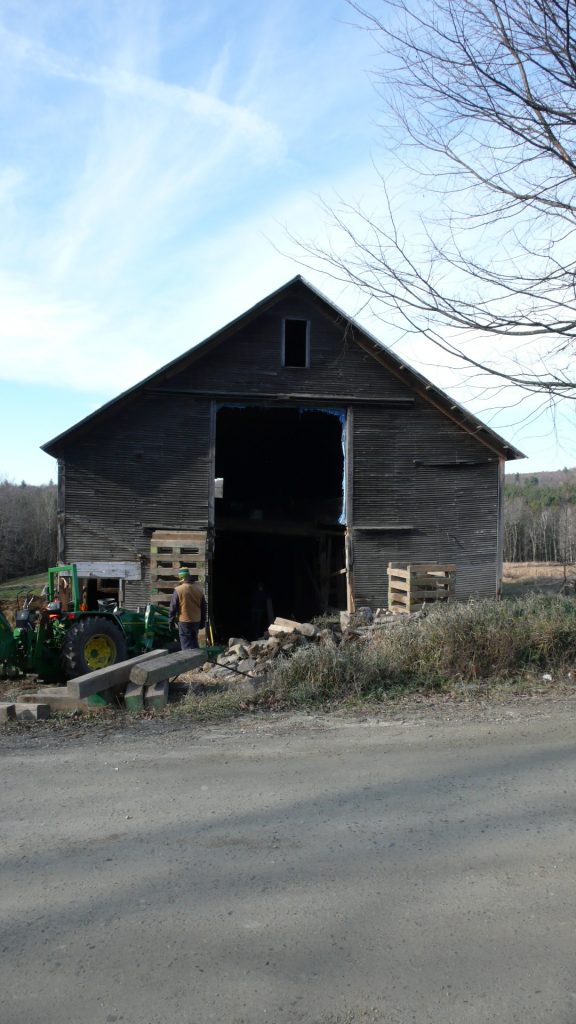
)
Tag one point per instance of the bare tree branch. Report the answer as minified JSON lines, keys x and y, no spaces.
{"x":480,"y":97}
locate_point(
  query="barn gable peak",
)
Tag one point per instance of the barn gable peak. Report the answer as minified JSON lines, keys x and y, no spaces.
{"x":294,"y":348}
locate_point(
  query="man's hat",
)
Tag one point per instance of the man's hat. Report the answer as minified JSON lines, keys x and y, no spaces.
{"x":183,"y":572}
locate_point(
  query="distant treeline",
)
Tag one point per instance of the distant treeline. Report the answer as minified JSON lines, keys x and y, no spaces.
{"x":27,"y":528}
{"x":540,"y":518}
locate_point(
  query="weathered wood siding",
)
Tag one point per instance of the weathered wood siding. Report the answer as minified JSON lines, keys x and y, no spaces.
{"x":422,"y":487}
{"x":145,"y":468}
{"x":249,"y":363}
{"x":423,"y":490}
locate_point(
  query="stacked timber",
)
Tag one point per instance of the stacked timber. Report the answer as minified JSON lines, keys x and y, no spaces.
{"x":142,"y":681}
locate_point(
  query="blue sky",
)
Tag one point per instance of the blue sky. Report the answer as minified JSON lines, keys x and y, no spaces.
{"x":151,"y":153}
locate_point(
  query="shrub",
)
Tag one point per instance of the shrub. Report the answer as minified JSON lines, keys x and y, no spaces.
{"x":319,"y":673}
{"x":484,"y":639}
{"x":477,"y":640}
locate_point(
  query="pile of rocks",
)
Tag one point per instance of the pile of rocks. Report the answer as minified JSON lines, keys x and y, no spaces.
{"x":364,"y":624}
{"x":254,"y":661}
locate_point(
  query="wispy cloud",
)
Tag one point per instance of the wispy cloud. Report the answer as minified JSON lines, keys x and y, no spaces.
{"x":150,"y":154}
{"x":151,"y":159}
{"x":117,"y":80}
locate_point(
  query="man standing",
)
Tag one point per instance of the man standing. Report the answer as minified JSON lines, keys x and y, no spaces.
{"x":188,"y":606}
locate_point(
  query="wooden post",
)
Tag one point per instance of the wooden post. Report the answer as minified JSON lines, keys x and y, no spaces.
{"x":349,"y":510}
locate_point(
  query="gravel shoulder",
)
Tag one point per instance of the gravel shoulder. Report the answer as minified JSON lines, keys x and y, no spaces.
{"x":412,"y":712}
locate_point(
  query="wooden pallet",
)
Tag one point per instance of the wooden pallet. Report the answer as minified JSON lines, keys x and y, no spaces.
{"x":171,"y":550}
{"x":410,"y":587}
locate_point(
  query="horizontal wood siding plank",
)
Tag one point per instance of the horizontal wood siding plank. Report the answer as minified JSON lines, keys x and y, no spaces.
{"x":424,"y":490}
{"x":453,"y":509}
{"x":150,"y":466}
{"x":250,"y":363}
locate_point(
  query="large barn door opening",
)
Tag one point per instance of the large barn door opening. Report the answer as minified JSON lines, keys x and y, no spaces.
{"x":279,"y":526}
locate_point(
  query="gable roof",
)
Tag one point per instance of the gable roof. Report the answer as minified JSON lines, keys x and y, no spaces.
{"x":420,"y":384}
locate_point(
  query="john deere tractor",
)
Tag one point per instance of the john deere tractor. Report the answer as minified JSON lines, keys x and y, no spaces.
{"x":58,"y":644}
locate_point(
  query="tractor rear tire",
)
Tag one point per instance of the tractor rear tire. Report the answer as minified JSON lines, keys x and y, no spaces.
{"x":91,"y":644}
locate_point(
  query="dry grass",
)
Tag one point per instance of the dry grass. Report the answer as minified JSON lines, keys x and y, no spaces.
{"x":10,"y":589}
{"x":527,"y":571}
{"x":520,"y":578}
{"x":457,"y":644}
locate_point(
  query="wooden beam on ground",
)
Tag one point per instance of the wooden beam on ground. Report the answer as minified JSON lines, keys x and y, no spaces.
{"x":168,"y":667}
{"x":57,"y":698}
{"x":107,"y":678}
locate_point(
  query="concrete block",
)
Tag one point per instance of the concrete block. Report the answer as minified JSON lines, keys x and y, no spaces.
{"x":32,"y":712}
{"x":156,"y":695}
{"x":7,"y":712}
{"x":134,"y":697}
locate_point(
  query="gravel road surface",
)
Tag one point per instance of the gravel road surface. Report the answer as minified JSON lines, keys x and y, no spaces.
{"x":313,"y":869}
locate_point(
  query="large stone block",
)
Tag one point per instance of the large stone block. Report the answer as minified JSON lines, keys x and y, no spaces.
{"x":32,"y":712}
{"x":134,"y":697}
{"x":156,"y":695}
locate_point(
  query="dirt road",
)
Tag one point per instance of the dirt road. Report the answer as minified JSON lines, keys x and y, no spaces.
{"x":296,"y":869}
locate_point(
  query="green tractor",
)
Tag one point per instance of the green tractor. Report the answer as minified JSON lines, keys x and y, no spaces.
{"x":58,"y":644}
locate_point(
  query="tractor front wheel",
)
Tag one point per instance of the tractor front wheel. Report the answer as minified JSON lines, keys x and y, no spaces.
{"x":91,"y":644}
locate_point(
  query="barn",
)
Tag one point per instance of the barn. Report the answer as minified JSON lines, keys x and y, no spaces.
{"x":290,"y":452}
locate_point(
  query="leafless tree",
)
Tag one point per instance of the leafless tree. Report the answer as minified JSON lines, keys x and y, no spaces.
{"x":480,"y":101}
{"x":27,"y":528}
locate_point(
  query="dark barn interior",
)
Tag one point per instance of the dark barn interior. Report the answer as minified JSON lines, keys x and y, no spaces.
{"x":279,"y":527}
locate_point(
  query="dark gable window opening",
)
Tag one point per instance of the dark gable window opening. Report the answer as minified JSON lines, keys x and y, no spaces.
{"x":295,"y":348}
